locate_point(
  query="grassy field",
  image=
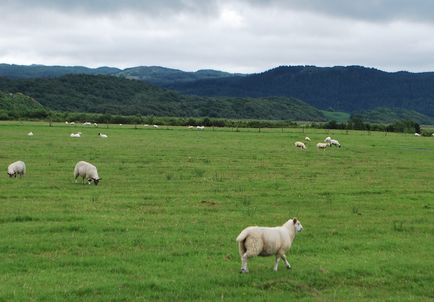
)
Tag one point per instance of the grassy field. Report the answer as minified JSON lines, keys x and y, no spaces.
{"x":163,"y":221}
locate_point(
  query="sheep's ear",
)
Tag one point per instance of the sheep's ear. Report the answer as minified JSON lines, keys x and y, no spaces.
{"x":294,"y":220}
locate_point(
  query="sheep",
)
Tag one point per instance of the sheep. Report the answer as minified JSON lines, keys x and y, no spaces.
{"x":156,"y":126}
{"x":322,"y":145}
{"x":86,"y":170}
{"x":300,"y":145}
{"x":200,"y":127}
{"x":190,"y":127}
{"x":72,"y":123}
{"x":78,"y":134}
{"x":102,"y":135}
{"x":307,"y":138}
{"x":267,"y":241}
{"x":334,"y":142}
{"x":30,"y":133}
{"x":87,"y":123}
{"x":416,"y":134}
{"x":66,"y":123}
{"x":95,"y":124}
{"x":18,"y":167}
{"x":327,"y":139}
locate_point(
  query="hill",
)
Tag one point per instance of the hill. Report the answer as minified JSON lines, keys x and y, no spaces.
{"x":347,"y":89}
{"x":17,"y":105}
{"x":114,"y":95}
{"x":165,"y":76}
{"x":392,"y":115}
{"x":152,"y":74}
{"x":42,"y":71}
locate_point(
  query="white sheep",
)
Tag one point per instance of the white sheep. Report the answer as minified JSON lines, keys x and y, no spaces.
{"x":66,"y":123}
{"x":267,"y":241}
{"x":95,"y":124}
{"x":30,"y":133}
{"x":416,"y":134}
{"x":102,"y":135}
{"x":190,"y":127}
{"x":307,"y":138}
{"x":88,"y":171}
{"x":78,"y":134}
{"x":18,"y":167}
{"x":327,"y":139}
{"x":72,"y":123}
{"x":87,"y":123}
{"x":156,"y":126}
{"x":335,"y":142}
{"x":200,"y":127}
{"x":300,"y":145}
{"x":322,"y":145}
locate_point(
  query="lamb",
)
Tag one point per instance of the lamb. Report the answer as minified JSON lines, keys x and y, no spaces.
{"x":18,"y":167}
{"x":30,"y":133}
{"x":86,"y":170}
{"x":334,"y":142}
{"x":327,"y":139}
{"x":322,"y":145}
{"x":78,"y":134}
{"x":267,"y":241}
{"x":300,"y":145}
{"x":307,"y":138}
{"x":102,"y":135}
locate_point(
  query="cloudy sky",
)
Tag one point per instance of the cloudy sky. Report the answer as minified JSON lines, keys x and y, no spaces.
{"x":235,"y":36}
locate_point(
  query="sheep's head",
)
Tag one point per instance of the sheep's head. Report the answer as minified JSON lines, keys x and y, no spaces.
{"x":96,"y":181}
{"x":11,"y":174}
{"x":297,"y":224}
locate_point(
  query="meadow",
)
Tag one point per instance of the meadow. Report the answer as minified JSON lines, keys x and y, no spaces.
{"x":162,"y":223}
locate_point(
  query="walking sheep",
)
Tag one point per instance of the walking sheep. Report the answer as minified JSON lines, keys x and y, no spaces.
{"x":102,"y":135}
{"x":267,"y":241}
{"x":88,"y":171}
{"x":307,"y":138}
{"x":300,"y":145}
{"x":18,"y":167}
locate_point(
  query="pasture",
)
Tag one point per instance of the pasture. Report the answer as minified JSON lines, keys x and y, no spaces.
{"x":162,"y":223}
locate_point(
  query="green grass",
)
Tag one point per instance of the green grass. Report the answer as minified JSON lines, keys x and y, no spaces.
{"x":340,"y":117}
{"x":163,"y":221}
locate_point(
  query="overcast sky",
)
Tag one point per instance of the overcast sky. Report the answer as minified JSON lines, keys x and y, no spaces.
{"x":236,"y":36}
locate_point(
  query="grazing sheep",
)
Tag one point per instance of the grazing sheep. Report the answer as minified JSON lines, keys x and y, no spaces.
{"x":335,"y":142}
{"x":72,"y":123}
{"x":200,"y":127}
{"x":30,"y":133}
{"x":88,"y":171}
{"x":18,"y":167}
{"x":102,"y":135}
{"x":307,"y":138}
{"x":327,"y":139}
{"x":66,"y":122}
{"x":95,"y":124}
{"x":190,"y":127}
{"x":416,"y":134}
{"x":156,"y":126}
{"x":322,"y":145}
{"x":145,"y":125}
{"x":87,"y":124}
{"x":78,"y":134}
{"x":267,"y":241}
{"x":300,"y":145}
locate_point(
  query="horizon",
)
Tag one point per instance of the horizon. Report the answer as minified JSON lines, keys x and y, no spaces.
{"x":242,"y":36}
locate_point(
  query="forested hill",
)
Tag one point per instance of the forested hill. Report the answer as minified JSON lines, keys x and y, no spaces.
{"x":114,"y":95}
{"x":346,"y":89}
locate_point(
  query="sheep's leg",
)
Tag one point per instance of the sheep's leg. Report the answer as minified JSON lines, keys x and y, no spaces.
{"x":288,"y":266}
{"x":244,"y":268}
{"x":276,"y":263}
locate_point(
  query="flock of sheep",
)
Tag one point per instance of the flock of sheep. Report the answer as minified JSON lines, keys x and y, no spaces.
{"x":252,"y":241}
{"x":328,"y":142}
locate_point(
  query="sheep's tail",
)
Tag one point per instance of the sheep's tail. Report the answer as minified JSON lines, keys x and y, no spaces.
{"x":241,"y":240}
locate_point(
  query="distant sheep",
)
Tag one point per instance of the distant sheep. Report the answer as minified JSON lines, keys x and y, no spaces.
{"x":200,"y":127}
{"x":156,"y":126}
{"x":417,"y":134}
{"x":78,"y":134}
{"x":190,"y":127}
{"x":30,"y":133}
{"x":18,"y":167}
{"x":327,"y":139}
{"x":307,"y":138}
{"x":300,"y":145}
{"x":88,"y":171}
{"x":87,"y":124}
{"x":335,"y":142}
{"x":102,"y":135}
{"x":322,"y":145}
{"x":267,"y":241}
{"x":72,"y":123}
